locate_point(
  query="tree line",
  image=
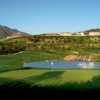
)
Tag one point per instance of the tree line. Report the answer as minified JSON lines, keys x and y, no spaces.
{"x":49,"y":43}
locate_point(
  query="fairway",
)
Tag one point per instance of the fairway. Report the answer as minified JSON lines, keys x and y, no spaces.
{"x":43,"y":77}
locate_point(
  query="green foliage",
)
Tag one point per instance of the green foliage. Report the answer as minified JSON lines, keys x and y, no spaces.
{"x":49,"y":43}
{"x":66,"y":42}
{"x":11,"y":47}
{"x":9,"y":83}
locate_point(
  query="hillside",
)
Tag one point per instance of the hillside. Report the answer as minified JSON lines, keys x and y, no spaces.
{"x":6,"y":31}
{"x":93,"y":30}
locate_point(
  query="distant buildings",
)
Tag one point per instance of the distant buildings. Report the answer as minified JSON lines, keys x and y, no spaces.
{"x":81,"y":34}
{"x":92,"y":32}
{"x":87,"y":34}
{"x":65,"y":34}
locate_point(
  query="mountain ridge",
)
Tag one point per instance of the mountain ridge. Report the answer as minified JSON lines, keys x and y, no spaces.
{"x":7,"y":31}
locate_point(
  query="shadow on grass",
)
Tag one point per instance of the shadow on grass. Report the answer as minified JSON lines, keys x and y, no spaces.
{"x":22,"y":68}
{"x":93,"y":84}
{"x":45,"y":76}
{"x":10,"y":83}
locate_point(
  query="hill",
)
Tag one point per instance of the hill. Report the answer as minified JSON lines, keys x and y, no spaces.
{"x":6,"y":31}
{"x":93,"y":30}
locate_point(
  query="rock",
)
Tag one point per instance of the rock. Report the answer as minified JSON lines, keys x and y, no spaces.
{"x":80,"y":58}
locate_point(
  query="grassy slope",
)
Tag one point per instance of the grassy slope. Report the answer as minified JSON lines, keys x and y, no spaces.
{"x":45,"y":77}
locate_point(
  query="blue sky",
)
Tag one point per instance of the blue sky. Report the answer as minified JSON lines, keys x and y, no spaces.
{"x":39,"y":16}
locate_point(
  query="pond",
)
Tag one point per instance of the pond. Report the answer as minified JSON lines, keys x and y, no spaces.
{"x":62,"y":64}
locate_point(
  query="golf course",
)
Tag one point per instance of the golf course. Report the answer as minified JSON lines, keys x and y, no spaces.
{"x":13,"y":74}
{"x":50,"y":46}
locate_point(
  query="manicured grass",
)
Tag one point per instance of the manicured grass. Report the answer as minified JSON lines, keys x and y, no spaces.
{"x":90,"y":51}
{"x":43,"y":77}
{"x":12,"y":72}
{"x":21,"y":74}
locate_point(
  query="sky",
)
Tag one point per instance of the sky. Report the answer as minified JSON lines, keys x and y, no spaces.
{"x":41,"y":16}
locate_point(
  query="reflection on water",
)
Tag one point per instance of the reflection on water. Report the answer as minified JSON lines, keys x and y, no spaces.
{"x":52,"y":63}
{"x":86,"y":64}
{"x":62,"y":64}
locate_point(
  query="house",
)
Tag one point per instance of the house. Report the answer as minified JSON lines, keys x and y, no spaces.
{"x":94,"y":33}
{"x":81,"y":33}
{"x":78,"y":34}
{"x":65,"y":34}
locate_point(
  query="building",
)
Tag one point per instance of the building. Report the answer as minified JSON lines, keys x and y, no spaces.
{"x":80,"y":34}
{"x":94,"y":33}
{"x":65,"y":34}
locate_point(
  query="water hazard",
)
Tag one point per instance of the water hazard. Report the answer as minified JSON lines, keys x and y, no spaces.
{"x":62,"y":64}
